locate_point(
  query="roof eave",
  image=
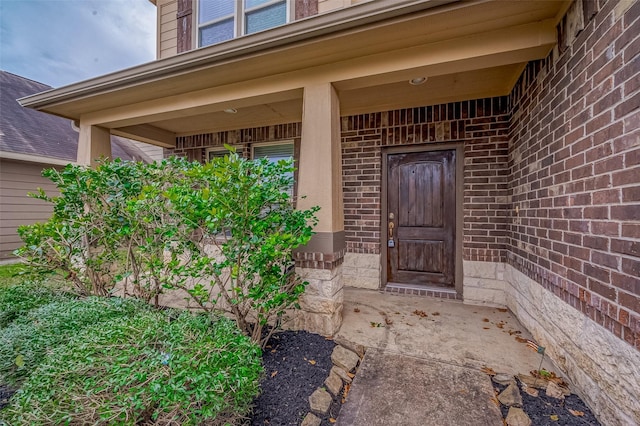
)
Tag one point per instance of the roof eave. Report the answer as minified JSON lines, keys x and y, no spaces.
{"x":317,"y":26}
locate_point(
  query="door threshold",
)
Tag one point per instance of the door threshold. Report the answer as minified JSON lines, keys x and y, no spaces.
{"x":422,"y":290}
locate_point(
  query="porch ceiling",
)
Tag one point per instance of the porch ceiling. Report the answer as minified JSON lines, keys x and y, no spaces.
{"x":468,"y":49}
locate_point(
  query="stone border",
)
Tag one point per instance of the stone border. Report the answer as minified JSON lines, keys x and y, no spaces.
{"x":346,"y":358}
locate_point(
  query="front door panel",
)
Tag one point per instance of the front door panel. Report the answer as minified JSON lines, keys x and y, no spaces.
{"x":421,"y":218}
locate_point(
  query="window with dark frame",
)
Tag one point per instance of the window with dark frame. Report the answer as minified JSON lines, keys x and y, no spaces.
{"x":222,"y":20}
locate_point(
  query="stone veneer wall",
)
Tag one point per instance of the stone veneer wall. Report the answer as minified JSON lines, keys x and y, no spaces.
{"x":481,"y":125}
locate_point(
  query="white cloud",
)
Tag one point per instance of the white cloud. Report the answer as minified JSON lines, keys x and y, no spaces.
{"x":60,"y":42}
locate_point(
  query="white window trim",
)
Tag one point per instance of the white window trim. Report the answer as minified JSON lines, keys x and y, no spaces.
{"x":219,"y":149}
{"x":239,"y":18}
{"x":282,"y":142}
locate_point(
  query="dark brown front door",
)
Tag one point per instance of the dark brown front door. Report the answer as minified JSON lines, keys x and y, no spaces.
{"x":421,"y":197}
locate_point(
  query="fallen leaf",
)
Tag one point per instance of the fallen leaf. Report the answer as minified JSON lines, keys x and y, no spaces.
{"x":488,"y":370}
{"x":312,"y":362}
{"x":500,"y":325}
{"x":274,"y":373}
{"x":388,"y":321}
{"x":376,"y":324}
{"x":273,"y":351}
{"x":435,"y":314}
{"x":486,"y":328}
{"x":345,"y":392}
{"x":554,"y":417}
{"x":520,"y":339}
{"x":332,"y":420}
{"x":19,"y":361}
{"x":576,"y":412}
{"x":351,"y":375}
{"x":356,"y":310}
{"x":512,"y":332}
{"x":462,"y":391}
{"x":421,"y":314}
{"x":397,"y":313}
{"x":485,"y":319}
{"x":502,"y":309}
{"x":495,"y":401}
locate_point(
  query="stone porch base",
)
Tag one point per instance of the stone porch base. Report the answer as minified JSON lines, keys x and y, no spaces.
{"x":604,"y":368}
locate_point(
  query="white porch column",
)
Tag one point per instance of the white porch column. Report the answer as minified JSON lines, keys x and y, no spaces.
{"x":320,"y":181}
{"x":93,"y":143}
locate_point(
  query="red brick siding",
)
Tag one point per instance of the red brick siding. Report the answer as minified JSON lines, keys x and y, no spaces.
{"x":575,"y":171}
{"x":482,"y":125}
{"x":194,"y":147}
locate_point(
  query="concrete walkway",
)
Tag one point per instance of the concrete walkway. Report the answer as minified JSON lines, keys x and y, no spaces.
{"x":424,"y":359}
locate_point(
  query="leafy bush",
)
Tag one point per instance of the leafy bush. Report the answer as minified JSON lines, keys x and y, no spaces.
{"x":152,"y":226}
{"x":25,"y":342}
{"x":244,"y":210}
{"x":151,"y":368}
{"x":18,"y":299}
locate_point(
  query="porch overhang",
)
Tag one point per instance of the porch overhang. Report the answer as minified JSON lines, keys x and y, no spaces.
{"x":466,"y":49}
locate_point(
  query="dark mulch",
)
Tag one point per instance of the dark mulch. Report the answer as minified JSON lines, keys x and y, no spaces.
{"x":296,"y":363}
{"x":5,"y":393}
{"x":540,"y":409}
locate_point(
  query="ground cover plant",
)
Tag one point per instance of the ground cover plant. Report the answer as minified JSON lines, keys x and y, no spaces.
{"x":26,"y":341}
{"x":222,"y":232}
{"x":154,"y":367}
{"x":18,"y":299}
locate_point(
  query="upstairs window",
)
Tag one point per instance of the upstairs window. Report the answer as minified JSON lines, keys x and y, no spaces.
{"x":221,"y":20}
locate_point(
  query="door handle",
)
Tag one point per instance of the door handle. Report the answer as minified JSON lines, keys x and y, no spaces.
{"x":391,"y":226}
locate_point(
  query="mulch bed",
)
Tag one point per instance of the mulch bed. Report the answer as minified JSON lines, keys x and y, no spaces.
{"x":296,"y":363}
{"x":543,"y":409}
{"x":5,"y":393}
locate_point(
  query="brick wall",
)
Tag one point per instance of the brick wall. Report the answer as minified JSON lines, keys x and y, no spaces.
{"x":482,"y":125}
{"x":194,"y":147}
{"x":575,"y":167}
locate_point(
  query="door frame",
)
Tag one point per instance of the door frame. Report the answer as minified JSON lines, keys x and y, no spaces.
{"x":458,"y":147}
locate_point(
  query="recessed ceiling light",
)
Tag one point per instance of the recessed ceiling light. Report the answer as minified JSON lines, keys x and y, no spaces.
{"x":231,"y":110}
{"x":417,"y":81}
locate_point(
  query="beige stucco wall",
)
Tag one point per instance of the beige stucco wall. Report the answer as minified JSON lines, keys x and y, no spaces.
{"x":18,"y":178}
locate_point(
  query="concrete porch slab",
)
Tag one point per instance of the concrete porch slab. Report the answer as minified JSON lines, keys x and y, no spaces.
{"x":393,"y":389}
{"x":450,"y":331}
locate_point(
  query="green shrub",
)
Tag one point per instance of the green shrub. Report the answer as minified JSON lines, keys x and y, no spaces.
{"x":223,"y":232}
{"x":29,"y":338}
{"x":17,"y":300}
{"x":158,"y":367}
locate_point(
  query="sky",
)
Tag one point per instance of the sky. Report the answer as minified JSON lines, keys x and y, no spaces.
{"x":59,"y":42}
